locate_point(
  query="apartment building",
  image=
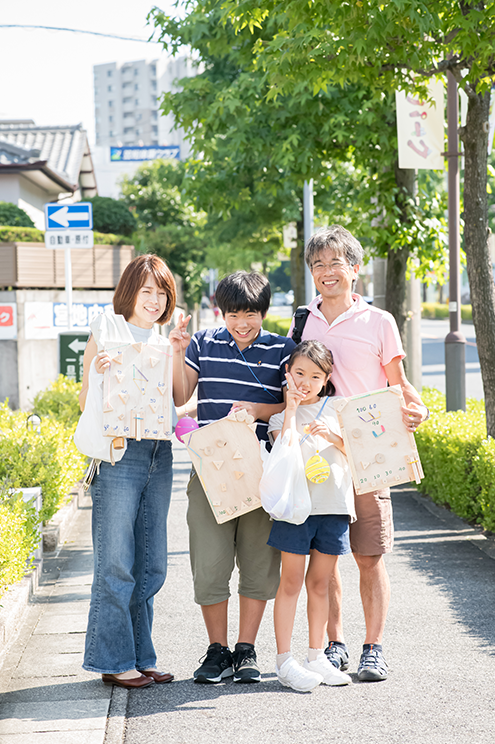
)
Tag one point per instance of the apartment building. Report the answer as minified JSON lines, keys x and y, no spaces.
{"x":126,"y":102}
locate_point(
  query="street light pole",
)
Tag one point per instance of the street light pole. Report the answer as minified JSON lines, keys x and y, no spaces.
{"x":455,"y":343}
{"x":308,"y":206}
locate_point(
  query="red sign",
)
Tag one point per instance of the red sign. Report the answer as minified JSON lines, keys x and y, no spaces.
{"x":6,"y":316}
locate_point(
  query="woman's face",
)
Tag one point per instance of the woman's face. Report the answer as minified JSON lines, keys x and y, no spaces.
{"x":151,"y":301}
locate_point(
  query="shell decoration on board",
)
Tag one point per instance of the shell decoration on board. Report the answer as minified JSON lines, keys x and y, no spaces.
{"x":317,"y":469}
{"x":137,"y":391}
{"x":227,"y":460}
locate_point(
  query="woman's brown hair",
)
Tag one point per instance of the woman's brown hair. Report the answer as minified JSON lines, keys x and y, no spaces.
{"x":134,"y":277}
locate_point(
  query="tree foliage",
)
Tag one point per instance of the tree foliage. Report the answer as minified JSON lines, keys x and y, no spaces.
{"x":388,"y":46}
{"x":259,"y":139}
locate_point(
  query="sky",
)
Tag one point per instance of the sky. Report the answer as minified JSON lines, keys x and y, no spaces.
{"x":48,"y":75}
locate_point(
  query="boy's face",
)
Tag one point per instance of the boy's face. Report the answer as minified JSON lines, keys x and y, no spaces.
{"x":244,"y":326}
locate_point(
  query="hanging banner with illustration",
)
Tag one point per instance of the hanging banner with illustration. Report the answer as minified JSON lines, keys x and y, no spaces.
{"x":420,"y":129}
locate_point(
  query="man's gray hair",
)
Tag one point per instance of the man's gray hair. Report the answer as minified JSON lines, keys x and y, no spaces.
{"x":337,"y":239}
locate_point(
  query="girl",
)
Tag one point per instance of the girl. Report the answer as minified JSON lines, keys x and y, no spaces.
{"x":310,"y":417}
{"x":130,"y":507}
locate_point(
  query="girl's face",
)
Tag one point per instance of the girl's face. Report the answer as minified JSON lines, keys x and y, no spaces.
{"x":151,"y":301}
{"x":309,"y":378}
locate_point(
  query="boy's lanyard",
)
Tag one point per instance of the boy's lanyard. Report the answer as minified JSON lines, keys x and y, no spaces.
{"x":255,"y":377}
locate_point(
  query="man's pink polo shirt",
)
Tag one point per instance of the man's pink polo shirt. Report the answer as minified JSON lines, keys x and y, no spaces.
{"x":362,"y":340}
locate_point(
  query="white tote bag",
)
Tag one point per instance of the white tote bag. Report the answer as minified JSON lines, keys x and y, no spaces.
{"x":88,"y":437}
{"x":284,"y":489}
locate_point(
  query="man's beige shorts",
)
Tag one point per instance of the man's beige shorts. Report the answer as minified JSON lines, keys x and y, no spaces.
{"x":373,"y":532}
{"x":215,"y":548}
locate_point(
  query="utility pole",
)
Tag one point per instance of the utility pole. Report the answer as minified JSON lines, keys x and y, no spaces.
{"x":308,"y":206}
{"x":455,"y":343}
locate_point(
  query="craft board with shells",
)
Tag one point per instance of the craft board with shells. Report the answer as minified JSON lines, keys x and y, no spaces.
{"x":380,"y":449}
{"x":137,"y":391}
{"x":226,"y":457}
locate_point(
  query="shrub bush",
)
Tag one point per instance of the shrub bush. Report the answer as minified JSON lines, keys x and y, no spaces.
{"x":32,"y":235}
{"x":21,"y":235}
{"x":14,"y":216}
{"x":59,"y":401}
{"x":112,"y":216}
{"x":48,"y":459}
{"x":458,"y":460}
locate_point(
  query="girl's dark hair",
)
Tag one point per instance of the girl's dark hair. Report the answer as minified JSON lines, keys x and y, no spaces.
{"x":317,"y":353}
{"x":244,"y":292}
{"x":134,"y":277}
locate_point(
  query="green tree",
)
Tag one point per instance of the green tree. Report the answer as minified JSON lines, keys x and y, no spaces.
{"x":111,"y":216}
{"x":13,"y":216}
{"x":259,"y":143}
{"x":167,"y":221}
{"x":396,"y":45}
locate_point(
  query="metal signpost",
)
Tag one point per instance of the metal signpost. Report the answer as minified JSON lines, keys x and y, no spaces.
{"x":69,"y":226}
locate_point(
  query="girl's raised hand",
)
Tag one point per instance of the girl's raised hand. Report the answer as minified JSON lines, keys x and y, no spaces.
{"x":179,"y":337}
{"x":294,"y":396}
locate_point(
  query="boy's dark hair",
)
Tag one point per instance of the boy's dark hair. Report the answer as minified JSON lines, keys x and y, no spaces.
{"x":244,"y":291}
{"x":317,"y":353}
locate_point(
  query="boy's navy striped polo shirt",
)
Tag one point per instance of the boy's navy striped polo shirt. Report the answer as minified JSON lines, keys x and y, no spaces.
{"x":225,"y":377}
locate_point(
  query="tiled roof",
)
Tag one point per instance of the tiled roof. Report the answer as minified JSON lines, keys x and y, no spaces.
{"x":62,"y":147}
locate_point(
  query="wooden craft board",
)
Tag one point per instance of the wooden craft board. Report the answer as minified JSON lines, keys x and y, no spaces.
{"x":380,"y":449}
{"x":226,"y":457}
{"x":137,"y":391}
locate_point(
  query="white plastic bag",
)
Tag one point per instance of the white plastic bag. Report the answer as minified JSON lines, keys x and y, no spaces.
{"x":284,"y":490}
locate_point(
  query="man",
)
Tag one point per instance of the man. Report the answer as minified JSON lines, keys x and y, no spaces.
{"x":368,"y":353}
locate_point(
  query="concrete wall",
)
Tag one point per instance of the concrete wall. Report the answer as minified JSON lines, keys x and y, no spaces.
{"x":27,"y":366}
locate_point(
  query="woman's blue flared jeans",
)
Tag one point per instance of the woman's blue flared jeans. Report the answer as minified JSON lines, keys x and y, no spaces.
{"x":130,"y":507}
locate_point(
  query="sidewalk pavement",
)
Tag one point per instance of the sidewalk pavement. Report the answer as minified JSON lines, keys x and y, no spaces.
{"x":439,"y":643}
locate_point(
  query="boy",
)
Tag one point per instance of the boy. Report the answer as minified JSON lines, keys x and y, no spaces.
{"x":239,"y":365}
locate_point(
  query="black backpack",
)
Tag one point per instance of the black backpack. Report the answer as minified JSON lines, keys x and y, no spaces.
{"x":300,"y":318}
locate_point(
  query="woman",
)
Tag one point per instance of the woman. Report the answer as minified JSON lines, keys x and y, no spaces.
{"x":130,"y":507}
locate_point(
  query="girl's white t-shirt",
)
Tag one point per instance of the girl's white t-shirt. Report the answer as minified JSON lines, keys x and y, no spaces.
{"x":336,"y":494}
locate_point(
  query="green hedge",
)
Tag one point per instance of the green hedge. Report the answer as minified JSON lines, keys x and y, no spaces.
{"x":437,"y":311}
{"x":48,"y":459}
{"x":19,"y":535}
{"x":275,"y":324}
{"x":458,"y":460}
{"x":32,"y":235}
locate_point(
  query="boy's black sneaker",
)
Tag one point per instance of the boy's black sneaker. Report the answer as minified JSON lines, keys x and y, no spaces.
{"x":372,"y":666}
{"x":245,"y":665}
{"x":216,"y":664}
{"x":337,"y":655}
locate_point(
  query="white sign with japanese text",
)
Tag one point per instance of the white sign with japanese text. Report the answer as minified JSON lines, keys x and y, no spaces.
{"x":44,"y":320}
{"x":420,"y":129}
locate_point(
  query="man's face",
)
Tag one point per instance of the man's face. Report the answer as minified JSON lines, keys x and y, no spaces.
{"x":243,"y":326}
{"x":333,"y":276}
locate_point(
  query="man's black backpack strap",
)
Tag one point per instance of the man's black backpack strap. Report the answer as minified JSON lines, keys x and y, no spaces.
{"x":300,"y":318}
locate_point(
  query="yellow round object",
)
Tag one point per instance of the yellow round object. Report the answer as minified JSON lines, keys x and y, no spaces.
{"x":317,"y":469}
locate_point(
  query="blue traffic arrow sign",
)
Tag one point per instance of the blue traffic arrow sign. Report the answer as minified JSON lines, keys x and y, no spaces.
{"x":69,"y":216}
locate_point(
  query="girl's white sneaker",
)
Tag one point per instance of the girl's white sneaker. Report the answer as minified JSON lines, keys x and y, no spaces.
{"x":330,"y":674}
{"x":292,"y":674}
